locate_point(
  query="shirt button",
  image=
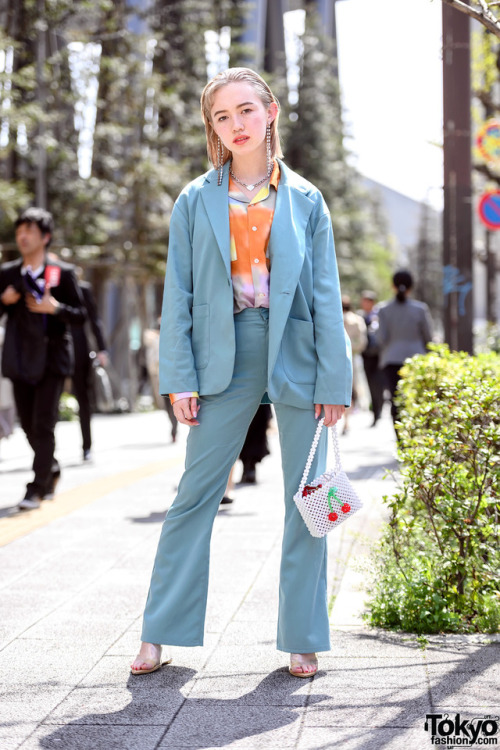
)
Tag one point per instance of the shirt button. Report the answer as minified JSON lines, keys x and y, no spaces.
{"x":256,"y":260}
{"x":254,"y":229}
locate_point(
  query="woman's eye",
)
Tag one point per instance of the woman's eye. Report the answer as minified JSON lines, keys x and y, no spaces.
{"x":221,"y":118}
{"x":246,"y":111}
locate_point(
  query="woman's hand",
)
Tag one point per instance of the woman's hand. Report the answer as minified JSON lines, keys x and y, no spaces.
{"x":333,"y":412}
{"x":186,"y":410}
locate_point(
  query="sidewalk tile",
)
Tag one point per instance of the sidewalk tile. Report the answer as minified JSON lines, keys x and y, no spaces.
{"x":203,"y":724}
{"x":371,"y":707}
{"x":363,"y":738}
{"x":12,"y":733}
{"x":278,"y":688}
{"x":71,"y":737}
{"x":364,"y":672}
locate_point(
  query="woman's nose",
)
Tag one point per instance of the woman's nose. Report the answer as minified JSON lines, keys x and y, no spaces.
{"x":237,"y":124}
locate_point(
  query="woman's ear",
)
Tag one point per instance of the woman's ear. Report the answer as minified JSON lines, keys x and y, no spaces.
{"x":272,"y":112}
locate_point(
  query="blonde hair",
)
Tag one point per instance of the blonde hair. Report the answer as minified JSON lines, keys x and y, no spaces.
{"x":236,"y":75}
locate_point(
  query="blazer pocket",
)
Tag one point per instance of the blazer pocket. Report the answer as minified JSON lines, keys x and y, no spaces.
{"x":201,"y":335}
{"x":299,"y":353}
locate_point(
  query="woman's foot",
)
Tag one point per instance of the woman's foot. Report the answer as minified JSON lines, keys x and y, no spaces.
{"x":303,"y":665}
{"x":148,"y":659}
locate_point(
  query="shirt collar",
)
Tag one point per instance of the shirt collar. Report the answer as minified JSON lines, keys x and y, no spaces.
{"x":235,"y":191}
{"x":35,"y":272}
{"x":275,"y":175}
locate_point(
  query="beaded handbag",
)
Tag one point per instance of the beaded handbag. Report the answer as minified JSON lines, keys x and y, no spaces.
{"x":330,"y":499}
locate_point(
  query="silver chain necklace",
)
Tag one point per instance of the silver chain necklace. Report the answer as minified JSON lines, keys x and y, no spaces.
{"x":253,"y":185}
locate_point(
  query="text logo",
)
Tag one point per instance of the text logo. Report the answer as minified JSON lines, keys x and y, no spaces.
{"x":453,"y":731}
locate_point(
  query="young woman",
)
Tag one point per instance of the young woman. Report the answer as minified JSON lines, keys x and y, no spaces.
{"x":251,"y":310}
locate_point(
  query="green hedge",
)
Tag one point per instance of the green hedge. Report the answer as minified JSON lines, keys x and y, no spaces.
{"x":437,"y":566}
{"x":68,"y":407}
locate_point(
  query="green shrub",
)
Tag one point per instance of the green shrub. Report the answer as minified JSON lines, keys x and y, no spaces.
{"x":436,"y":568}
{"x":68,"y":407}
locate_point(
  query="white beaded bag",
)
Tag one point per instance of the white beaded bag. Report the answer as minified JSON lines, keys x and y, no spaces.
{"x":330,"y":499}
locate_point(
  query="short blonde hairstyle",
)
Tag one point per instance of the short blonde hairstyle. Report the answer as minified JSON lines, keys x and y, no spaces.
{"x":236,"y":75}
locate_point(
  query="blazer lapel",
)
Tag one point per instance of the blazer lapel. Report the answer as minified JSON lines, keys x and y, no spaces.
{"x":215,"y":199}
{"x":286,"y":248}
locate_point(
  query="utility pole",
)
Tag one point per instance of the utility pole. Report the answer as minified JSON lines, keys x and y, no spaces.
{"x":457,"y":216}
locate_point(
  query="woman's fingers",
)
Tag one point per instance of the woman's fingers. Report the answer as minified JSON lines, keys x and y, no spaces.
{"x":332,"y":413}
{"x":186,"y":411}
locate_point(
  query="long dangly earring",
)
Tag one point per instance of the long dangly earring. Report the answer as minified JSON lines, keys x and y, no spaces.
{"x":219,"y":161}
{"x":268,"y":149}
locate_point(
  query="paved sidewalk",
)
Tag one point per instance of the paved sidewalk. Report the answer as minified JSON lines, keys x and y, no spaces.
{"x":74,"y":576}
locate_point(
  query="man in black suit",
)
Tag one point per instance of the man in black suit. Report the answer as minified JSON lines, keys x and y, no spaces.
{"x":82,"y":378}
{"x":41,"y":299}
{"x":374,"y":376}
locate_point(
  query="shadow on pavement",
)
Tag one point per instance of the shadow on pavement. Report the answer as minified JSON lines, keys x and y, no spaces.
{"x":374,"y":470}
{"x":196,"y":722}
{"x":443,"y":685}
{"x":157,"y":517}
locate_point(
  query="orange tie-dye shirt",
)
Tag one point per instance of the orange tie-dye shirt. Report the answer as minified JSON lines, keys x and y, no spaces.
{"x":250,"y":226}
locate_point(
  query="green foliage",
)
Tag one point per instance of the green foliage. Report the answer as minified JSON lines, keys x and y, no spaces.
{"x":437,"y":565}
{"x":68,"y":407}
{"x":148,"y":63}
{"x":313,"y":137}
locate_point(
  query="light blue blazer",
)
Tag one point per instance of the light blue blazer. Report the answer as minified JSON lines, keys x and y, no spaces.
{"x":309,"y":358}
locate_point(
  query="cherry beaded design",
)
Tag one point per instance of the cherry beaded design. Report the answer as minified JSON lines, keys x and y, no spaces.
{"x":309,"y":488}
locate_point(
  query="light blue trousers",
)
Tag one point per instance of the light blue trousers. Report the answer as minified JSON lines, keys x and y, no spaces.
{"x":176,"y":604}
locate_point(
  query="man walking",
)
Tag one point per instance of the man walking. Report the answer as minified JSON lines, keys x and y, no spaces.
{"x":82,"y":378}
{"x":370,"y":354}
{"x":41,"y":300}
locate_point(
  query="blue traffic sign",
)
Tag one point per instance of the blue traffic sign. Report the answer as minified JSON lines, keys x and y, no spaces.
{"x":489,"y":209}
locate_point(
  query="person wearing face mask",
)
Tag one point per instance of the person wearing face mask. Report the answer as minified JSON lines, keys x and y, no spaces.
{"x":252,"y":313}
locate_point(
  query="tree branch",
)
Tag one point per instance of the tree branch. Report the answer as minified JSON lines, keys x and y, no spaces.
{"x":484,"y":16}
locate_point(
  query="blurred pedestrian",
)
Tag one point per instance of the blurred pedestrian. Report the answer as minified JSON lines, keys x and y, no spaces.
{"x":404,"y":329}
{"x":151,"y":344}
{"x":356,"y":330}
{"x":256,"y":446}
{"x":251,"y":307}
{"x":370,"y":354}
{"x":7,"y":408}
{"x":42,"y":300}
{"x":83,"y":382}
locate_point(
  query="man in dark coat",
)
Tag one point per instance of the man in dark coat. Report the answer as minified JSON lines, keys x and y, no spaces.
{"x":41,"y":299}
{"x":82,"y":379}
{"x":374,"y":376}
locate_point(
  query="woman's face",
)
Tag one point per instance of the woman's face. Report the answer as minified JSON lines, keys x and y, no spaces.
{"x":240,"y":118}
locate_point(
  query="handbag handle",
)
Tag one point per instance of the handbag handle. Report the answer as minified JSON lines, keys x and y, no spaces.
{"x":312,"y":451}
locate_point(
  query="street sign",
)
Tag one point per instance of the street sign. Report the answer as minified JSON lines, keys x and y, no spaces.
{"x":488,"y":140}
{"x":489,"y":209}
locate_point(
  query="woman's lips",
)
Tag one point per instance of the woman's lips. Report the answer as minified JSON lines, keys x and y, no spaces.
{"x":240,"y":139}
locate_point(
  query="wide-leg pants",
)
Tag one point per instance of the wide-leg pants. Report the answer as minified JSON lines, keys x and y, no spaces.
{"x":176,"y":604}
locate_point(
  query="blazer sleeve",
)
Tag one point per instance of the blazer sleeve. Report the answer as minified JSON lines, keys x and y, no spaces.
{"x":93,"y":317}
{"x":333,"y":347}
{"x":3,"y":286}
{"x":71,"y":308}
{"x":382,"y":332}
{"x":177,"y":365}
